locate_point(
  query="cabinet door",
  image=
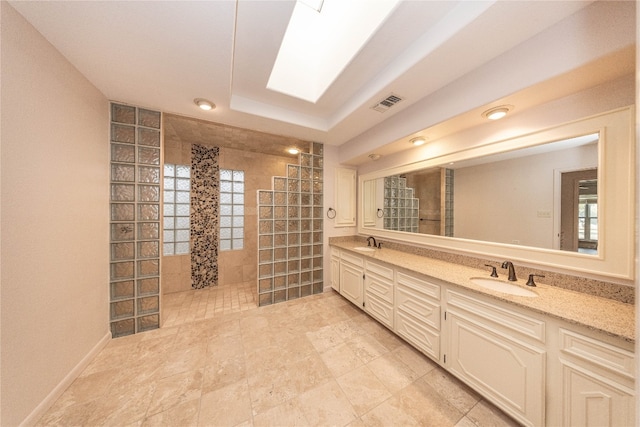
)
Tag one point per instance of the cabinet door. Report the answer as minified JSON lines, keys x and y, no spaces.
{"x":345,"y":192}
{"x":592,"y":400}
{"x":507,"y":371}
{"x":351,"y":282}
{"x":335,"y":273}
{"x":597,"y":382}
{"x":369,"y":208}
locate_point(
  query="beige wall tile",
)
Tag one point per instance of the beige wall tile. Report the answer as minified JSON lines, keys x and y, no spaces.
{"x":234,"y":266}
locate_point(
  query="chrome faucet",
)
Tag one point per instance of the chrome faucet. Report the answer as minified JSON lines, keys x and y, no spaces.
{"x":369,"y":241}
{"x":512,"y":270}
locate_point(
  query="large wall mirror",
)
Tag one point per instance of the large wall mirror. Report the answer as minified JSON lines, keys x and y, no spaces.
{"x":560,"y":197}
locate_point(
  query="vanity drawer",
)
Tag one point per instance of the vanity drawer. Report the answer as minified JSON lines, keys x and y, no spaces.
{"x":380,"y":309}
{"x":353,"y":259}
{"x":380,"y":287}
{"x":379,"y":269}
{"x":418,"y":286}
{"x":598,"y":353}
{"x":501,"y":317}
{"x":418,"y":334}
{"x":417,"y":305}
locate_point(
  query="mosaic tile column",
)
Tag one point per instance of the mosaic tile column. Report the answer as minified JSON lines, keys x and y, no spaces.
{"x":290,"y":223}
{"x":205,"y":201}
{"x":135,"y":220}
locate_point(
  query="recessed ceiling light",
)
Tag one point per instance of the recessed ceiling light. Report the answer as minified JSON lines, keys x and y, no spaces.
{"x":204,"y":104}
{"x":418,"y":141}
{"x":497,"y":113}
{"x":293,"y":151}
{"x":374,"y":156}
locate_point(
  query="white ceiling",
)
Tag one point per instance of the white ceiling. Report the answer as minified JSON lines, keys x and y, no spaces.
{"x":163,"y":54}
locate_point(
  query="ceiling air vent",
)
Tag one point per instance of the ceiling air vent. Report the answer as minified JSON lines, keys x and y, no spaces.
{"x":386,"y":103}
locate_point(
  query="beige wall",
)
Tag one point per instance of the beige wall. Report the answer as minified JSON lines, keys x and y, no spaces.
{"x":239,"y":265}
{"x":54,"y":220}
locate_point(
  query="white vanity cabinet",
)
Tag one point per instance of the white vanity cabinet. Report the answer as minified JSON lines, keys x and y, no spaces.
{"x":335,"y":269}
{"x":597,"y":382}
{"x":499,"y":352}
{"x":378,"y":292}
{"x":417,"y":314}
{"x":539,"y":369}
{"x":351,"y":277}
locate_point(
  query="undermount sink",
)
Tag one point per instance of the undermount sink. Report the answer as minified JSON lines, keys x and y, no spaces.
{"x":500,"y":286}
{"x":364,"y":249}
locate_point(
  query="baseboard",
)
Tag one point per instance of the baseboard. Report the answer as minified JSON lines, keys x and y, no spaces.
{"x":51,"y":398}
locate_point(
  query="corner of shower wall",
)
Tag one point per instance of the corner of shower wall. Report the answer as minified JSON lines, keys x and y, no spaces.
{"x":135,"y":219}
{"x":290,"y":226}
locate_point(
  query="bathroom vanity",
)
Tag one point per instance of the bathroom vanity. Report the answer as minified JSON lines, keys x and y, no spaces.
{"x":555,"y":357}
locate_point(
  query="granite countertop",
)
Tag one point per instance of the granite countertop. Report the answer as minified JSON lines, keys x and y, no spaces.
{"x":600,"y":314}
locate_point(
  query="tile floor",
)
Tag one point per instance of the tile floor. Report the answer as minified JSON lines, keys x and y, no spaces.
{"x":220,"y":361}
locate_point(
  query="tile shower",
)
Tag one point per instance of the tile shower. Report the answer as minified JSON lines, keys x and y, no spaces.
{"x":135,"y":219}
{"x":403,"y":195}
{"x":290,"y":223}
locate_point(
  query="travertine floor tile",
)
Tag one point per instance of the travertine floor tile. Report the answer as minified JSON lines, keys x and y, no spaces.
{"x":327,"y":405}
{"x":454,"y":391}
{"x":227,"y":406}
{"x":392,"y":372}
{"x":366,"y":348}
{"x":340,"y":359}
{"x":388,"y":415}
{"x":426,"y":405}
{"x":414,"y":359}
{"x":184,"y":414}
{"x":175,"y":390}
{"x":363,"y":389}
{"x":315,"y":361}
{"x":485,"y":414}
{"x":222,"y":372}
{"x":286,"y":414}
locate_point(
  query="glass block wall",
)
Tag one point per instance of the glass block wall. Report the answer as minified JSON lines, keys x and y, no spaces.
{"x":135,"y":220}
{"x":448,"y":203}
{"x":176,"y":209}
{"x":290,"y":219}
{"x":401,"y":208}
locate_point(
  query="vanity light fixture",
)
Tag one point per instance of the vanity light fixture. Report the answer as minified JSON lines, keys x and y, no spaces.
{"x":293,"y":150}
{"x":374,"y":156}
{"x":497,"y":113}
{"x":204,"y":104}
{"x":418,"y":141}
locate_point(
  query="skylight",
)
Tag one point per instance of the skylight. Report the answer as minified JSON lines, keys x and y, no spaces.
{"x":317,"y":46}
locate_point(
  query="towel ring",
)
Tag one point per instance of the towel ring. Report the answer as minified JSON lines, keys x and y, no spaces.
{"x":331,"y":213}
{"x":380,"y":213}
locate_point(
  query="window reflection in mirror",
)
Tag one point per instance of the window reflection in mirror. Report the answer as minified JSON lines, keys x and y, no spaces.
{"x":511,"y":198}
{"x":579,"y":211}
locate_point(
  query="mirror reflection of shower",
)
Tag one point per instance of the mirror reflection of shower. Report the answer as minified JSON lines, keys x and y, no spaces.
{"x":512,"y":197}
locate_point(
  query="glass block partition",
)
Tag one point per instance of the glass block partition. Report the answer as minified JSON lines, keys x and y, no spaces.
{"x":401,"y":208}
{"x":290,"y":221}
{"x":135,"y":220}
{"x":448,"y":203}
